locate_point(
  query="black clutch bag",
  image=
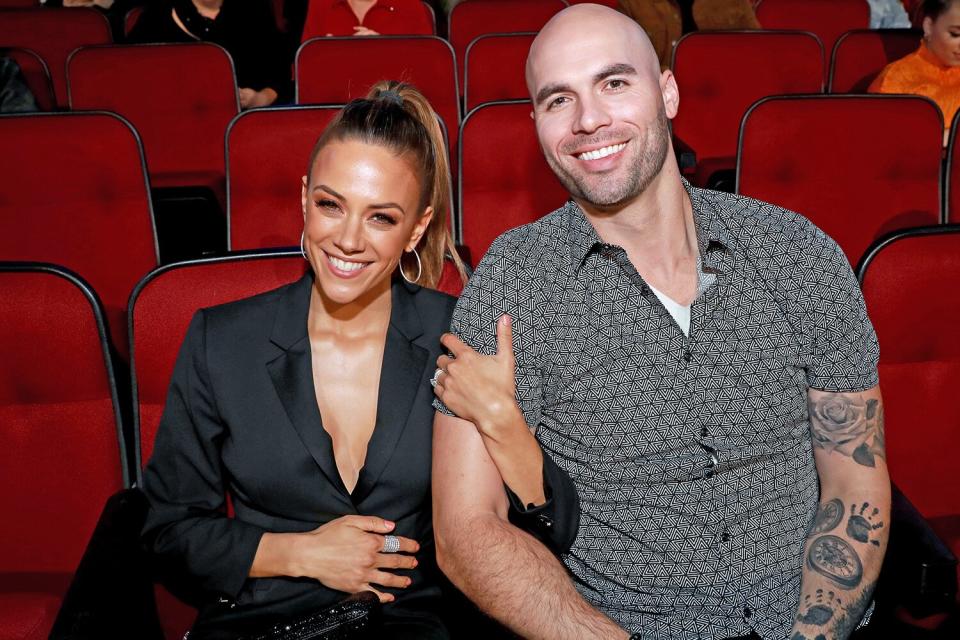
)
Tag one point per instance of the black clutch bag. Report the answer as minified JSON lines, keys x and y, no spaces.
{"x":348,"y":618}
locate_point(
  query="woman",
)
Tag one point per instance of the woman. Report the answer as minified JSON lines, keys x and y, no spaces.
{"x":933,"y":70}
{"x":367,"y":18}
{"x":311,"y":406}
{"x":245,"y":28}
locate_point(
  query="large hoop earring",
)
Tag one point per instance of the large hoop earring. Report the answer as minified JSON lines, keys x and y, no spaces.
{"x":303,"y":250}
{"x":419,"y":268}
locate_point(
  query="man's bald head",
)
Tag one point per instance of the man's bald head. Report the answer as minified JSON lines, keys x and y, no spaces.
{"x":584,"y":26}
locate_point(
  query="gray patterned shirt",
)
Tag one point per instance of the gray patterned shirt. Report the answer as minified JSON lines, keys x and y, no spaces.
{"x":692,"y":456}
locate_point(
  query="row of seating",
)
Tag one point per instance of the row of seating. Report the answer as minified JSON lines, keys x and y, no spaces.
{"x":858,"y":166}
{"x":64,"y":451}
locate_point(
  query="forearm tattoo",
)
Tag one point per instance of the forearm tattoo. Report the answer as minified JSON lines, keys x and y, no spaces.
{"x":836,"y":557}
{"x":849,"y":425}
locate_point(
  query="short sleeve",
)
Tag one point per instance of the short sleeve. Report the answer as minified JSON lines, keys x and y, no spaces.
{"x":501,"y":285}
{"x":844,"y":349}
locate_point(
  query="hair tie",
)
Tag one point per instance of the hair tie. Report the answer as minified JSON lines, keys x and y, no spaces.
{"x":389,"y":95}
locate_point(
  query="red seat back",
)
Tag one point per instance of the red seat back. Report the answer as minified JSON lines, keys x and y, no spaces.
{"x":829,"y":19}
{"x":61,"y":448}
{"x":161,"y":308}
{"x":953,"y":173}
{"x":53,"y":34}
{"x":504,"y":180}
{"x":470,"y":19}
{"x":910,"y":289}
{"x":36,"y":74}
{"x":19,"y":4}
{"x":77,"y":195}
{"x":713,"y":101}
{"x":495,"y":68}
{"x":337,"y":70}
{"x":267,"y":153}
{"x":860,"y":55}
{"x":180,"y":97}
{"x":834,"y":160}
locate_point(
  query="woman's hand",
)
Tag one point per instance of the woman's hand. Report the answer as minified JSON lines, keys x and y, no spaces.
{"x":363,"y":31}
{"x":346,"y":554}
{"x":481,"y":388}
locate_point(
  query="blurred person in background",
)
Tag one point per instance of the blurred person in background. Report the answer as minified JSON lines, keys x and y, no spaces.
{"x":367,"y":18}
{"x":888,"y":14}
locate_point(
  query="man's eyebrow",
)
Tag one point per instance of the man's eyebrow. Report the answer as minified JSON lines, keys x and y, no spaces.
{"x":618,"y":69}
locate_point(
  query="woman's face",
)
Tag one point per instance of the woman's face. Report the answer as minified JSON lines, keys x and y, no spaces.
{"x":360,"y":213}
{"x":943,"y":35}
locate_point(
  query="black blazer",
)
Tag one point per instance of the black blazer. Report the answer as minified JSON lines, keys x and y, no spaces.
{"x":241,"y":418}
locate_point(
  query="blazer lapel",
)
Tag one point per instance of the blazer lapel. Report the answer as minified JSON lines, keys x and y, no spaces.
{"x":292,"y":375}
{"x":401,"y":381}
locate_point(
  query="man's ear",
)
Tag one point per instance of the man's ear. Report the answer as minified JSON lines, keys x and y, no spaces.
{"x":671,"y":94}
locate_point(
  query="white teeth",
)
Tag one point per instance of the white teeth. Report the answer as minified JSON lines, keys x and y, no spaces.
{"x":343,"y":265}
{"x":596,"y":154}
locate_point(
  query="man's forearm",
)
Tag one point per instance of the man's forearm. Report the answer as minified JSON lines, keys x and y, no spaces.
{"x":516,"y":580}
{"x":841,"y":562}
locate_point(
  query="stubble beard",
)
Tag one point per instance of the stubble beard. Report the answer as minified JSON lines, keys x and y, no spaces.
{"x":641,"y":170}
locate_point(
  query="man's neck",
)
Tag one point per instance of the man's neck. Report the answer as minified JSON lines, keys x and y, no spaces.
{"x":657,"y":231}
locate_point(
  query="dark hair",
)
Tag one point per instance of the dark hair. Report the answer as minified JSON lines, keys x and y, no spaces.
{"x":933,"y":8}
{"x":395,"y":115}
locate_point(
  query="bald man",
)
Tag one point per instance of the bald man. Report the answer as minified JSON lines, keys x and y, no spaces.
{"x":699,"y":363}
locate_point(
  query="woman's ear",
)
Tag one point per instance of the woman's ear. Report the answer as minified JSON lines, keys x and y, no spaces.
{"x":420,"y":228}
{"x":927,"y":27}
{"x":303,"y":197}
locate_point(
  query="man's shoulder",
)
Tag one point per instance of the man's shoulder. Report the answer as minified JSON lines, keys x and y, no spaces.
{"x":531,"y":250}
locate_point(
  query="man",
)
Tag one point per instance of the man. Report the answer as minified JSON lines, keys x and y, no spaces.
{"x":696,"y":361}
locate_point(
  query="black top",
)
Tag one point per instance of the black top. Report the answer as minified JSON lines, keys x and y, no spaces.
{"x":245,"y":28}
{"x":686,"y":16}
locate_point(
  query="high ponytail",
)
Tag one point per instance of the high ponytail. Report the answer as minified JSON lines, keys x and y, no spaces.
{"x":397,"y":116}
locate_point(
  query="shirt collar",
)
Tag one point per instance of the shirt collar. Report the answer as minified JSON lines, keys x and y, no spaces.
{"x":713,"y":238}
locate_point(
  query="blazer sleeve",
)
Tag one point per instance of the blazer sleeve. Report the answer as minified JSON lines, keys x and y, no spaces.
{"x":187,"y":526}
{"x":556,"y":522}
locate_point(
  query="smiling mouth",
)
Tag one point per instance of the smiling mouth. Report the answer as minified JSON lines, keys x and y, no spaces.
{"x":603,"y":152}
{"x":345,"y":266}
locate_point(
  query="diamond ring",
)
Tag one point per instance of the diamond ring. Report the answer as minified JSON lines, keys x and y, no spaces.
{"x":391,"y":544}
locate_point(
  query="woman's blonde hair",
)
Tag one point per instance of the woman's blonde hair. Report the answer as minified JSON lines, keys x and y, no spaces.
{"x":397,"y":116}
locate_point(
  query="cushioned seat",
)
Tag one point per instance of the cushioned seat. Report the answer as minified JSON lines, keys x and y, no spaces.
{"x":27,"y":616}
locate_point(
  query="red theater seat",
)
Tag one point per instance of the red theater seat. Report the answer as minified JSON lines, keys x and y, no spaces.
{"x":36,"y":74}
{"x":495,"y":68}
{"x":953,"y":173}
{"x":180,"y":97}
{"x":19,"y":4}
{"x":74,"y":191}
{"x":337,"y":70}
{"x":829,"y":19}
{"x":713,"y":100}
{"x":61,"y":446}
{"x":473,"y":18}
{"x":909,"y":283}
{"x":859,"y":167}
{"x":504,"y":180}
{"x":53,"y":34}
{"x":267,"y":153}
{"x":860,"y":55}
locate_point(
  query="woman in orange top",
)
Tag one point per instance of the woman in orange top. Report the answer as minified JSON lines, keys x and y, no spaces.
{"x":933,"y":70}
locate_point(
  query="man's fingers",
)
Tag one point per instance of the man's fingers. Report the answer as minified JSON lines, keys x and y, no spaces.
{"x":454,"y":345}
{"x":505,"y":337}
{"x":444,"y":361}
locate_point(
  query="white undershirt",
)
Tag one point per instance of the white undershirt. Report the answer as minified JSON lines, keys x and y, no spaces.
{"x":680,"y":313}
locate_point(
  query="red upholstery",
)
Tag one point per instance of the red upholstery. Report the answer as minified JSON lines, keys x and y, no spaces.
{"x":495,"y":68}
{"x":180,"y":97}
{"x":77,"y":195}
{"x":713,"y":100}
{"x":909,"y":286}
{"x":337,"y":70}
{"x":161,"y":309}
{"x":860,"y":55}
{"x":27,"y":616}
{"x":176,"y":617}
{"x":857,"y":166}
{"x":953,"y":172}
{"x":60,"y":452}
{"x":267,"y":153}
{"x":53,"y":34}
{"x":37,"y":76}
{"x":19,"y":4}
{"x":505,"y":181}
{"x":472,"y":18}
{"x":829,"y":19}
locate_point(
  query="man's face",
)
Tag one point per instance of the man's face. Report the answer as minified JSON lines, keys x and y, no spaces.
{"x":600,"y":114}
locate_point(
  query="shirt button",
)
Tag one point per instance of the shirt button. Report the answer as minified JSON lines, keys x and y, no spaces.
{"x":726,"y":536}
{"x":687,"y":356}
{"x":704,"y":432}
{"x":747,"y":612}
